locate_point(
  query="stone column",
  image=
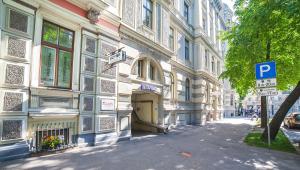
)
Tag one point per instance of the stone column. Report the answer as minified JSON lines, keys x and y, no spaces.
{"x":198,"y":15}
{"x":207,"y":17}
{"x":154,"y":17}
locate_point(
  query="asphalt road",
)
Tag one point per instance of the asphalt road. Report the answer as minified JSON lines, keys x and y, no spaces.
{"x":292,"y":134}
{"x":217,"y":145}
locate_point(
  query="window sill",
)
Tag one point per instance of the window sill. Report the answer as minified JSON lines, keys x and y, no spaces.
{"x":148,"y":29}
{"x":43,"y":88}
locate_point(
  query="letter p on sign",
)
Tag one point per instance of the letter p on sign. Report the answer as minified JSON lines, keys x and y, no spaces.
{"x":265,"y":70}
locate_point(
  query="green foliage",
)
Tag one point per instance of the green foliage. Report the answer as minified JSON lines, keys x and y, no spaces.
{"x":50,"y":142}
{"x":281,"y":143}
{"x":260,"y":22}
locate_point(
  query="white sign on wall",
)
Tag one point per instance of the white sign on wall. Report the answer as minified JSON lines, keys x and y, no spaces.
{"x":107,"y":104}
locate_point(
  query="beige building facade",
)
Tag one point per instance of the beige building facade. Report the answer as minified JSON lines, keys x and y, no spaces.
{"x":57,"y":78}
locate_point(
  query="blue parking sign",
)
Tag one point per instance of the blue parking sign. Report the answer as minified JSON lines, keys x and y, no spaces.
{"x":265,"y":70}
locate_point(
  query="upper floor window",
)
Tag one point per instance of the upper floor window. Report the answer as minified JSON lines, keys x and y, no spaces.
{"x":151,"y":72}
{"x":147,"y":13}
{"x":140,"y":68}
{"x":213,"y":65}
{"x":231,"y":99}
{"x":158,"y":21}
{"x":56,"y":55}
{"x":187,"y":49}
{"x":206,"y":58}
{"x":207,"y":93}
{"x":171,"y":39}
{"x":187,"y":90}
{"x":172,"y":87}
{"x":186,"y":12}
{"x":218,"y":67}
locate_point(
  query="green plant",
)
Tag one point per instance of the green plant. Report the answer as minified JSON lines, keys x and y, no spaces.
{"x":50,"y":142}
{"x":281,"y":142}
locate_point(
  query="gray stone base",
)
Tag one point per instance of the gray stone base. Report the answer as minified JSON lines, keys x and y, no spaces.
{"x":92,"y":139}
{"x":86,"y":139}
{"x":14,"y":151}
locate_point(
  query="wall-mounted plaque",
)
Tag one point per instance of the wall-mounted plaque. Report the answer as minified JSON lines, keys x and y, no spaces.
{"x":107,"y":104}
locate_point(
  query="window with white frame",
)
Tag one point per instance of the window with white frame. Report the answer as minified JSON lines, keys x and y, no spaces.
{"x":151,"y":72}
{"x":56,"y":56}
{"x":147,"y":13}
{"x":207,"y":93}
{"x":187,"y":49}
{"x":140,"y":68}
{"x":172,"y":87}
{"x":206,"y":58}
{"x":171,"y":39}
{"x":218,"y":67}
{"x":186,"y":12}
{"x":158,"y":22}
{"x":213,"y":68}
{"x":187,"y":90}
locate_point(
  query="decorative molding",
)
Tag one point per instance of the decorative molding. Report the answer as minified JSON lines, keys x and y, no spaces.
{"x":93,"y":15}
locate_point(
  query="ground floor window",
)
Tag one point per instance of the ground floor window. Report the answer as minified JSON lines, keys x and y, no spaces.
{"x":52,"y":139}
{"x":11,"y":129}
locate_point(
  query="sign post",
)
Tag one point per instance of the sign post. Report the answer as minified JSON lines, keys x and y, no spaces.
{"x":266,"y":84}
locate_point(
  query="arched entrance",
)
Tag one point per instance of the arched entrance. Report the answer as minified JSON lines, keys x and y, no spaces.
{"x":146,"y":99}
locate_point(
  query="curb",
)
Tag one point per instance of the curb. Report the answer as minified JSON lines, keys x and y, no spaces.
{"x":297,"y":148}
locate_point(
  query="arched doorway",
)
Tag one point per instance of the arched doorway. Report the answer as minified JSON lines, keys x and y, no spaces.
{"x":146,"y":99}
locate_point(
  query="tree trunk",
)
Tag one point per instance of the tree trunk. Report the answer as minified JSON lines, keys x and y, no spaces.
{"x":263,"y":99}
{"x":263,"y":113}
{"x":281,"y":113}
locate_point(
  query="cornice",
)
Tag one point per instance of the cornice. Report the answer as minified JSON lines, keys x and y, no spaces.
{"x":129,"y":32}
{"x":203,"y":38}
{"x":209,"y":77}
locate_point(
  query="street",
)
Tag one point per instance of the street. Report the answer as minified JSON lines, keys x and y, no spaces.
{"x":217,"y":145}
{"x":292,"y":134}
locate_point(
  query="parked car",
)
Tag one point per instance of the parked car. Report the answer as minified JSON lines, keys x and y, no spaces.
{"x":292,"y":120}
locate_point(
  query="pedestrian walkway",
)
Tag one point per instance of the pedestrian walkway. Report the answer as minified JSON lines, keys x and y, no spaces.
{"x":216,"y":145}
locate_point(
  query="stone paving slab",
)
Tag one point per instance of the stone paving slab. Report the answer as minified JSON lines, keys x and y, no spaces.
{"x":214,"y":146}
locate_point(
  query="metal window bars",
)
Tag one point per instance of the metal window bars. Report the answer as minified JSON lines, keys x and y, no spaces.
{"x":66,"y":132}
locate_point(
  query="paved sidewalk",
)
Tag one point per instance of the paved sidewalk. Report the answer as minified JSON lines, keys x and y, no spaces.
{"x":214,"y":146}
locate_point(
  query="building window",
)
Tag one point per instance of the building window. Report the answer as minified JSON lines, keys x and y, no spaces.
{"x":207,"y":94}
{"x":171,"y":39}
{"x":147,"y":13}
{"x":211,"y":28}
{"x":213,"y":65}
{"x":151,"y":72}
{"x":231,"y":99}
{"x":140,"y":68}
{"x":206,"y":58}
{"x":56,"y":56}
{"x":186,"y":12}
{"x":158,"y":22}
{"x":87,"y":123}
{"x":204,"y":25}
{"x":187,"y":90}
{"x":12,"y":129}
{"x":187,"y":49}
{"x":172,"y":87}
{"x":218,"y":67}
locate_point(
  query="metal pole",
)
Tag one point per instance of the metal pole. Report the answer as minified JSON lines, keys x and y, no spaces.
{"x":268,"y":125}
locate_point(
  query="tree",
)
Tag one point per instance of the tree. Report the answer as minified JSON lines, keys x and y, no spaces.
{"x":266,"y":30}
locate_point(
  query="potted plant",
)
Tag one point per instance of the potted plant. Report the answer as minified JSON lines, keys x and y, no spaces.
{"x":50,"y":143}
